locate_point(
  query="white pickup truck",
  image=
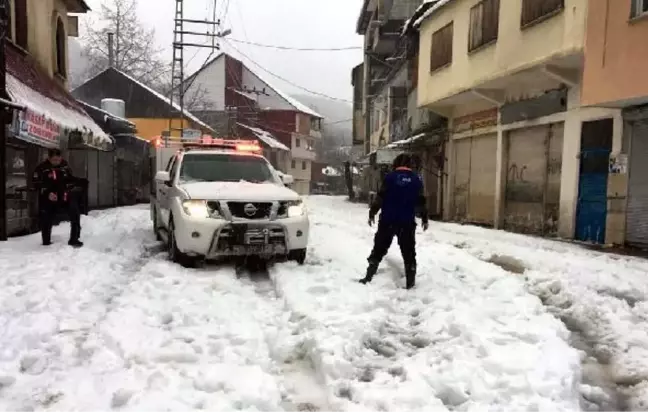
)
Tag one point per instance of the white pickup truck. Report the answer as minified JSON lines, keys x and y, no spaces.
{"x":225,"y":199}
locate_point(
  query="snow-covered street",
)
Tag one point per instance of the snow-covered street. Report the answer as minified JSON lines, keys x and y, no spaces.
{"x":116,"y":326}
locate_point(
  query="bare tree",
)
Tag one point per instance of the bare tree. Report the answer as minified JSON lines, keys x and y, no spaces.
{"x":135,"y":52}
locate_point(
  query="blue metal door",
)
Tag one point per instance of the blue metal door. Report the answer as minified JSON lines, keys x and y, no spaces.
{"x":591,"y":212}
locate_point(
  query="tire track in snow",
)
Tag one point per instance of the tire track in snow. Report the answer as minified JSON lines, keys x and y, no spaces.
{"x":599,"y":392}
{"x":305,"y":390}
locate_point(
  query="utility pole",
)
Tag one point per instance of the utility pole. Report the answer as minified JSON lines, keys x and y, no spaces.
{"x":177,"y":70}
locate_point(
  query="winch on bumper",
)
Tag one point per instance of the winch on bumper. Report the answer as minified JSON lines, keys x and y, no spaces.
{"x":242,"y":239}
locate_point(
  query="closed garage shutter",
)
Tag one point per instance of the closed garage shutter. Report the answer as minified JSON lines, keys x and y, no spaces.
{"x":461,"y":178}
{"x":483,"y":161}
{"x":474,"y":179}
{"x":533,"y":179}
{"x":637,"y":214}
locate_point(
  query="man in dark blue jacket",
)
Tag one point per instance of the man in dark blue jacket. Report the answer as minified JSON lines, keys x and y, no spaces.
{"x":399,"y":197}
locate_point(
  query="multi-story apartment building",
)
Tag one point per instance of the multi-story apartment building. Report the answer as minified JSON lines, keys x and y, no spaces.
{"x":46,"y":114}
{"x":236,"y":100}
{"x":523,"y":153}
{"x":614,"y":77}
{"x":386,"y":94}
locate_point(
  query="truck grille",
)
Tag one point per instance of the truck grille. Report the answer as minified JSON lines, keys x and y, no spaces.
{"x":261,"y":210}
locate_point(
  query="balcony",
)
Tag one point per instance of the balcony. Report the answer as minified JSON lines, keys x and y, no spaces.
{"x":301,"y":148}
{"x":386,"y":37}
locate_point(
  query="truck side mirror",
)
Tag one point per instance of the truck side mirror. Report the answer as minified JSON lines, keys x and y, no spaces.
{"x":287,"y":179}
{"x":163,"y":177}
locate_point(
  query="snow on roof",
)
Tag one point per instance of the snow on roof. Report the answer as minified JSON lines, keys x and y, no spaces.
{"x":266,"y":137}
{"x":291,"y":100}
{"x":400,"y":143}
{"x":410,"y":23}
{"x":430,"y":11}
{"x":66,"y":117}
{"x":161,"y":97}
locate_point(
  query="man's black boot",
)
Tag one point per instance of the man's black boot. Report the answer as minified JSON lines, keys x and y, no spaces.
{"x":371,"y":271}
{"x":410,"y":276}
{"x":75,"y":243}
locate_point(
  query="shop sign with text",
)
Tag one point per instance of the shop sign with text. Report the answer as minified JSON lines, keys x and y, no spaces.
{"x":36,"y":128}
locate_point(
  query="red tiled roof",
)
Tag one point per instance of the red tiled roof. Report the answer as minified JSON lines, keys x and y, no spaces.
{"x":23,"y":67}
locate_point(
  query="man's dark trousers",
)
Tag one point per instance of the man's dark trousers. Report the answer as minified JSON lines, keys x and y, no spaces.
{"x":48,"y":214}
{"x":406,"y":235}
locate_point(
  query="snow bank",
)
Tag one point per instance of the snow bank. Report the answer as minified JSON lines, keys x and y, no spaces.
{"x":603,"y":296}
{"x":469,"y":337}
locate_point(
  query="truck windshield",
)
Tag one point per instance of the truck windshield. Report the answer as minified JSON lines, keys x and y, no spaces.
{"x":225,"y":168}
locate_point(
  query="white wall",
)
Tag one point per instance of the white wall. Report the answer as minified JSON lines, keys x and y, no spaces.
{"x":273,"y":101}
{"x":210,"y":85}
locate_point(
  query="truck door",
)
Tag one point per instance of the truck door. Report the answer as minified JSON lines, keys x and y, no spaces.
{"x":163,"y":191}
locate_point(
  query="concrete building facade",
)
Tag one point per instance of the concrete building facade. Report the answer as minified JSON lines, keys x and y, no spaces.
{"x":614,"y":77}
{"x":524,"y":154}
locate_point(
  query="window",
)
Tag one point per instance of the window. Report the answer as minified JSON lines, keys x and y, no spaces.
{"x":225,"y":168}
{"x":20,"y":16}
{"x":316,"y":124}
{"x":303,"y":165}
{"x":297,"y":143}
{"x":293,"y":164}
{"x":484,"y":24}
{"x":638,"y":8}
{"x":441,"y":54}
{"x":60,"y":48}
{"x":534,"y":11}
{"x":174,"y":169}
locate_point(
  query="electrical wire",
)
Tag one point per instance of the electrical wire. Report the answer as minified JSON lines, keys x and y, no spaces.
{"x":270,"y":46}
{"x":283,"y":78}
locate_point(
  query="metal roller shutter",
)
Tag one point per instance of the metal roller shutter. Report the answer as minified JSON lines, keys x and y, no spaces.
{"x":532,"y":198}
{"x":461,"y":186}
{"x":483,"y":163}
{"x":637,"y":212}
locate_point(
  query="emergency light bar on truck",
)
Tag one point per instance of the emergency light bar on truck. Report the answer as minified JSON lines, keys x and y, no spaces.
{"x":208,"y":142}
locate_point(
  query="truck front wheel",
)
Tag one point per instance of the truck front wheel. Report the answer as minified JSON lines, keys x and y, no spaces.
{"x":175,"y":255}
{"x":297,"y":255}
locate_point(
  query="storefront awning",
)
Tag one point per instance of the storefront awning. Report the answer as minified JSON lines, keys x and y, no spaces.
{"x":51,"y":116}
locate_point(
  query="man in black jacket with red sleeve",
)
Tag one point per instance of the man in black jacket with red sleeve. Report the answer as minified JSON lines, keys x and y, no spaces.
{"x":55,"y":183}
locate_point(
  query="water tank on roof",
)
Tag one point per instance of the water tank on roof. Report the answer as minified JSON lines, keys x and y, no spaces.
{"x":115,"y":107}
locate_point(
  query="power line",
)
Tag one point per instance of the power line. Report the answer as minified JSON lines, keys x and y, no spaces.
{"x":284,"y":79}
{"x":270,"y":46}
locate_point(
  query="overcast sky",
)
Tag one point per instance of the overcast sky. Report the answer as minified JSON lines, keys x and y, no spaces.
{"x":291,"y":23}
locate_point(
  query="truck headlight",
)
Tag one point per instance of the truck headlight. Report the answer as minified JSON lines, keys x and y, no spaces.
{"x":196,"y":208}
{"x":296,"y":208}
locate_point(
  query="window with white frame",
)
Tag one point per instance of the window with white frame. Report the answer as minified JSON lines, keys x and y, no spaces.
{"x":639,"y":7}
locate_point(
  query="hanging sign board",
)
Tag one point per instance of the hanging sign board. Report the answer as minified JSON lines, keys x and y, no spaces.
{"x":36,"y":128}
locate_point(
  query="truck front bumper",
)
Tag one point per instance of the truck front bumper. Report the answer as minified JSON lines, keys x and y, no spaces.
{"x":217,"y":238}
